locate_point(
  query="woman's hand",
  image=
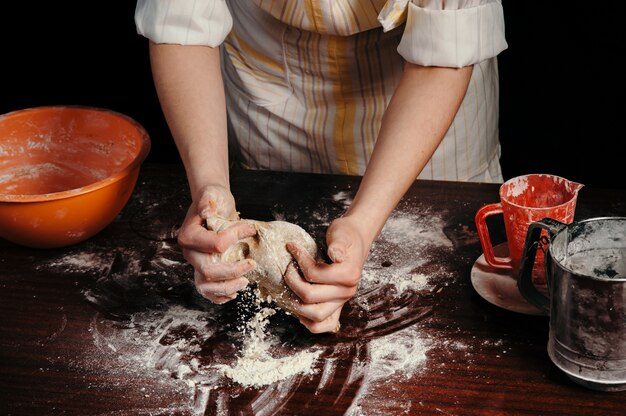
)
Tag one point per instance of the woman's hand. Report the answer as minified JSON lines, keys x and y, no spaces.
{"x":217,"y":281}
{"x":325,"y":288}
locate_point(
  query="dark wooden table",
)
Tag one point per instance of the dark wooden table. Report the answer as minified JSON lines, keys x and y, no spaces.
{"x":113,"y":326}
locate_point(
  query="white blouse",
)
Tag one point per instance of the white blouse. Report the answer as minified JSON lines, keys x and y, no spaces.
{"x":308,"y":81}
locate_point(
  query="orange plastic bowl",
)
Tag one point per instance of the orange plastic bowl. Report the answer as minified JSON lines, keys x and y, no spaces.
{"x":66,"y":172}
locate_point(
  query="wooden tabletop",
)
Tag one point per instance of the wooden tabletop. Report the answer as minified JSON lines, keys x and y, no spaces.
{"x":114,"y":326}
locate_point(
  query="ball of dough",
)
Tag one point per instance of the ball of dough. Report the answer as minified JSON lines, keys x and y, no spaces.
{"x":268,"y":249}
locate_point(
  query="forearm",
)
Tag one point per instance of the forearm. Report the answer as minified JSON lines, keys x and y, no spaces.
{"x":188,"y":82}
{"x":417,"y":118}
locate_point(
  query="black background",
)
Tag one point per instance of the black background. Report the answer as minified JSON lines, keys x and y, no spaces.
{"x":562,"y":86}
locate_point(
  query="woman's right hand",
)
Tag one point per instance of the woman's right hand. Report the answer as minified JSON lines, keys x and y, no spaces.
{"x":217,"y":281}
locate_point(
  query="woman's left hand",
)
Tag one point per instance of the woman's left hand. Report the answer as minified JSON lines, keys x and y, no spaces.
{"x":325,"y":288}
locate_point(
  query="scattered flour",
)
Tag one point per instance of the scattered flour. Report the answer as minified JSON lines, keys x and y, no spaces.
{"x":412,"y":232}
{"x":400,"y":353}
{"x":184,"y":343}
{"x":414,"y":282}
{"x":256,"y":366}
{"x":343,"y":197}
{"x":399,"y":253}
{"x":80,"y":261}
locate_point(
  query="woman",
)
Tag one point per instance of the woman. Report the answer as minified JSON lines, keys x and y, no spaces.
{"x":391,"y":90}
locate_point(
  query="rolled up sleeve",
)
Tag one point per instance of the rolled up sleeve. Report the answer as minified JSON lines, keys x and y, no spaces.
{"x":184,"y":22}
{"x":452,"y":33}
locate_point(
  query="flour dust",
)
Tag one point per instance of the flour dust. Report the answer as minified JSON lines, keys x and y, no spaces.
{"x":152,"y":321}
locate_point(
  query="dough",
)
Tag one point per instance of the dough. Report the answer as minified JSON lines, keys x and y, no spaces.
{"x":268,"y":250}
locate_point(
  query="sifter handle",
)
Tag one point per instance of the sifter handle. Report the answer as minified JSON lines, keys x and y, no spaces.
{"x":532,"y":242}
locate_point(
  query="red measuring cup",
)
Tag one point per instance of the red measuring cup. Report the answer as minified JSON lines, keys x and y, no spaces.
{"x":524,"y":200}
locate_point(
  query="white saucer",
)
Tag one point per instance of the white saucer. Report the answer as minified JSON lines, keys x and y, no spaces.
{"x":498,"y":287}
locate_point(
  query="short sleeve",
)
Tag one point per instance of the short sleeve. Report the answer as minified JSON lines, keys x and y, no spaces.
{"x":184,"y":22}
{"x":461,"y":33}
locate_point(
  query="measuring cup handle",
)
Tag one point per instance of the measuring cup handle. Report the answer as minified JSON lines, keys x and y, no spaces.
{"x":532,"y":242}
{"x":485,"y":239}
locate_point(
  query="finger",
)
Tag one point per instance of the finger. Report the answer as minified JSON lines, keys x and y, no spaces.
{"x":330,"y":324}
{"x":318,"y":312}
{"x":229,"y":236}
{"x":338,"y":249}
{"x":192,"y":217}
{"x":219,"y":300}
{"x":211,"y":270}
{"x":196,"y":237}
{"x":221,"y":290}
{"x":339,"y":243}
{"x":308,"y":265}
{"x":217,"y":201}
{"x":316,"y":293}
{"x":192,"y":233}
{"x":344,"y":274}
